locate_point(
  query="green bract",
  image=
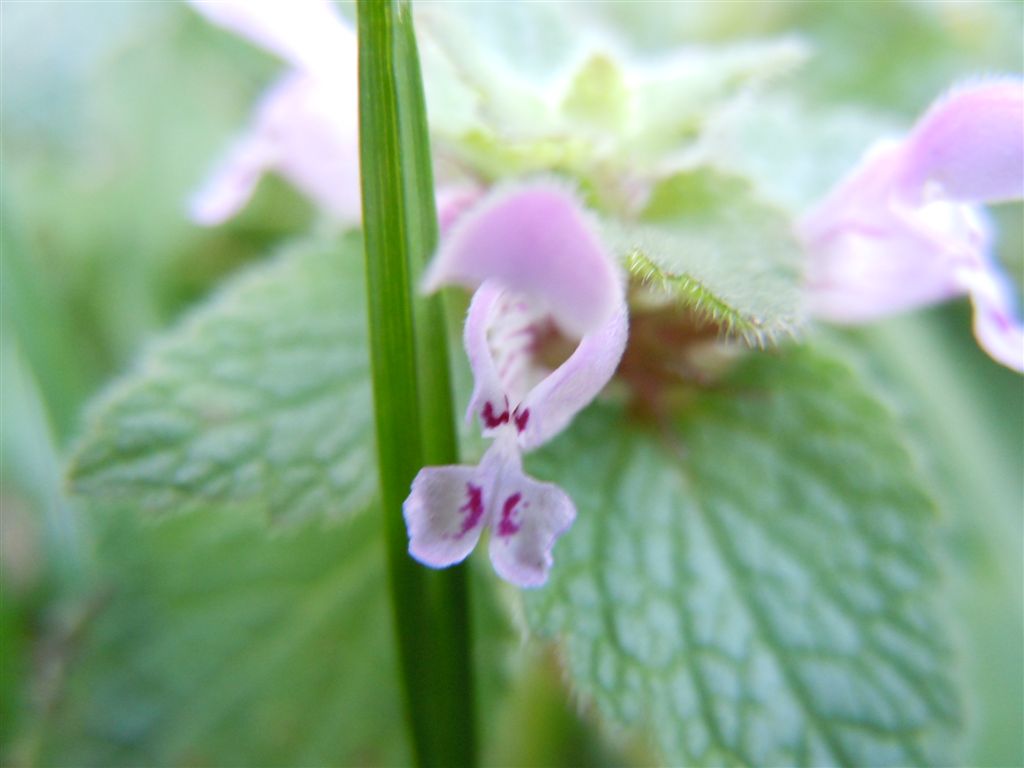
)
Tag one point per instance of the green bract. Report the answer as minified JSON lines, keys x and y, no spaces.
{"x":705,"y":241}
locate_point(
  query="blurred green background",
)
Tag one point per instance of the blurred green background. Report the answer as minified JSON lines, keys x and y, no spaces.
{"x":112,"y":113}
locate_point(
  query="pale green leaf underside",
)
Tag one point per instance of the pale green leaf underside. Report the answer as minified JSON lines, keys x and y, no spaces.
{"x":260,"y":399}
{"x":753,"y":583}
{"x":208,"y":642}
{"x":705,"y":241}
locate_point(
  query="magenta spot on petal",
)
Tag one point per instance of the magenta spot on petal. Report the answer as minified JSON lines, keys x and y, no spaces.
{"x":522,"y":418}
{"x":474,"y":509}
{"x":490,"y":418}
{"x":507,"y":526}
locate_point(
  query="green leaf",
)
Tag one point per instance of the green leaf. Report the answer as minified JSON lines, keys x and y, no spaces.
{"x":516,"y":89}
{"x":754,"y":581}
{"x":708,"y":243}
{"x":207,"y":642}
{"x":259,"y":400}
{"x":963,"y":413}
{"x":60,"y":367}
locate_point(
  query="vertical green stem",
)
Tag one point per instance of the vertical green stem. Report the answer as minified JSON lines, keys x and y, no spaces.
{"x":412,"y":392}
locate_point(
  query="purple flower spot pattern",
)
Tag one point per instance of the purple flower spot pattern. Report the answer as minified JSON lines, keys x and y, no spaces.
{"x":507,"y":525}
{"x":474,"y":509}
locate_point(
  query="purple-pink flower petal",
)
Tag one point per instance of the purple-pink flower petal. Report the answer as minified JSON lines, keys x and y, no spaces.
{"x":534,"y":239}
{"x":969,"y":145}
{"x":309,"y":34}
{"x":872,"y":255}
{"x":449,"y":507}
{"x":489,"y":400}
{"x":306,"y":126}
{"x":527,"y":519}
{"x":305,"y":129}
{"x":453,"y":200}
{"x":996,"y":326}
{"x":904,"y":228}
{"x":445,"y":513}
{"x":549,"y":407}
{"x":233,"y":180}
{"x":512,"y":390}
{"x":544,"y":284}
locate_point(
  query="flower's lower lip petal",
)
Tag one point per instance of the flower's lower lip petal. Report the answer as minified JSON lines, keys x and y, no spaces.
{"x":445,"y":513}
{"x":857,"y":276}
{"x":528,"y":518}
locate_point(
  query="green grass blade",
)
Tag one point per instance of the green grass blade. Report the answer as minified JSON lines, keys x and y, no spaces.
{"x":449,"y":596}
{"x":438,"y":418}
{"x":412,"y":397}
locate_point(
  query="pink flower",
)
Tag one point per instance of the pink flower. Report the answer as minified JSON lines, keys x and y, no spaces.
{"x":542,"y":272}
{"x":906,"y":229}
{"x":306,"y":127}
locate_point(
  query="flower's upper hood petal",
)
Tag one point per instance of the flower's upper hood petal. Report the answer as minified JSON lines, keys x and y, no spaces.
{"x":970,"y":145}
{"x":534,"y":239}
{"x":861,"y":199}
{"x":315,"y":125}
